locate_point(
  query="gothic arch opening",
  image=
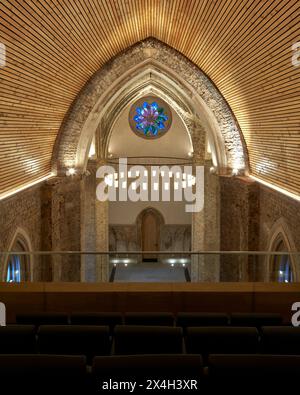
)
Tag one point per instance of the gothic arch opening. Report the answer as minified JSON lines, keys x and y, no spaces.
{"x":148,"y":66}
{"x":282,"y":267}
{"x":18,"y":265}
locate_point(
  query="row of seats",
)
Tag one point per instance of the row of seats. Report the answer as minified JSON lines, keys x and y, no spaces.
{"x":129,"y":339}
{"x":70,"y":374}
{"x":182,"y":319}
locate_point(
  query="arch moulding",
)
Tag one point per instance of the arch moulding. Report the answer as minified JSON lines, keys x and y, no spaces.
{"x":84,"y":116}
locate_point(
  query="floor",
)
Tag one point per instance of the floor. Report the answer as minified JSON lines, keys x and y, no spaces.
{"x":149,"y":272}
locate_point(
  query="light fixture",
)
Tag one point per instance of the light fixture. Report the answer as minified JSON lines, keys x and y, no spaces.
{"x":235,"y":171}
{"x":276,"y":188}
{"x":212,"y":170}
{"x":190,"y":154}
{"x":71,"y":171}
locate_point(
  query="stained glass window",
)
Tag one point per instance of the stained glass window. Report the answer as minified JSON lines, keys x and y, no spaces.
{"x":150,"y":117}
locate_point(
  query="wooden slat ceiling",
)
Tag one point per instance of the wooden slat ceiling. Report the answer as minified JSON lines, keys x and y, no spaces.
{"x":54,"y":46}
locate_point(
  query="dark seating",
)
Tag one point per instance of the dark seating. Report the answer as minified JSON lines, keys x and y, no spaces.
{"x":38,"y":319}
{"x":255,"y":319}
{"x":221,"y":340}
{"x":40,"y":374}
{"x":253,"y":373}
{"x":281,"y":340}
{"x":135,"y":367}
{"x":74,"y":340}
{"x":160,"y":319}
{"x":107,"y":319}
{"x":18,"y":339}
{"x":130,"y":340}
{"x":201,"y":319}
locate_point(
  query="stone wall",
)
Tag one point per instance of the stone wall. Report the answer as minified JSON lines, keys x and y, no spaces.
{"x":61,"y":211}
{"x":239,"y":226}
{"x":172,"y":238}
{"x":279,"y":214}
{"x":52,"y":217}
{"x":21,"y":211}
{"x":251,"y":215}
{"x":275,"y":206}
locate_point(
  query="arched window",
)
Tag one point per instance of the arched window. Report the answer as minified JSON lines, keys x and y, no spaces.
{"x":281,"y":267}
{"x":18,"y":264}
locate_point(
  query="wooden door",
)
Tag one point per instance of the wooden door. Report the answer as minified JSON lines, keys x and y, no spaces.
{"x":150,"y":235}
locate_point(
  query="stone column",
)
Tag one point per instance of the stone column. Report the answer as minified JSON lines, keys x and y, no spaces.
{"x":212,"y":224}
{"x":61,"y":209}
{"x":88,"y":234}
{"x":205,"y":224}
{"x":197,"y":265}
{"x":101,"y":235}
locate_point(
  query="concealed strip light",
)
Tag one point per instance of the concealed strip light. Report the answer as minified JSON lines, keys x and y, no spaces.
{"x":276,"y":188}
{"x":26,"y":186}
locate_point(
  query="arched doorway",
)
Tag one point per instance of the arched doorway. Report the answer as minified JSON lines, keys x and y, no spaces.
{"x":149,"y":224}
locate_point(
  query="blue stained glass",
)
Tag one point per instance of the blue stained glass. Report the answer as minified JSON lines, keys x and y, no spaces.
{"x":14,"y":269}
{"x":150,"y":118}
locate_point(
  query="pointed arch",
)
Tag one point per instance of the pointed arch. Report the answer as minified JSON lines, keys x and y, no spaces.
{"x":22,"y":237}
{"x":280,"y":233}
{"x":206,"y":102}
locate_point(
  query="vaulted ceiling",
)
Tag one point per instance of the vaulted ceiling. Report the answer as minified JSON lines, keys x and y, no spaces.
{"x":55,"y":46}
